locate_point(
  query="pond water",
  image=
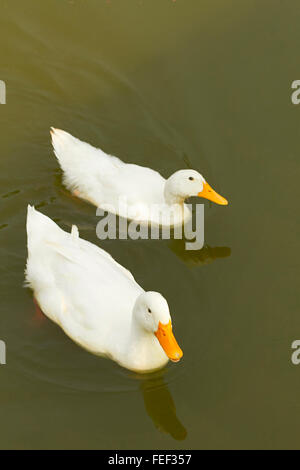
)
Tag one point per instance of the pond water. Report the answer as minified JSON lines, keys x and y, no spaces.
{"x":170,"y":85}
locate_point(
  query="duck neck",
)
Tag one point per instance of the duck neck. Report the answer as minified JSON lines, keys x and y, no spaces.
{"x":171,"y":197}
{"x":142,"y":346}
{"x":138,"y":335}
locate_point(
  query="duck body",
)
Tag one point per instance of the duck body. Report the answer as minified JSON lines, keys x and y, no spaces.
{"x":129,"y":190}
{"x":89,"y":295}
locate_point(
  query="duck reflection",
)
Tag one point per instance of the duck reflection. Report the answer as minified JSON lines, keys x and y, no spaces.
{"x":206,"y":255}
{"x":160,"y":406}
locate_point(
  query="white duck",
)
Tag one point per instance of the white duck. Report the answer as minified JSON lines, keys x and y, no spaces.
{"x":129,"y":190}
{"x":95,"y":300}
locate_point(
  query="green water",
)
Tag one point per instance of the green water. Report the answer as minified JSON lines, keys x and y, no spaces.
{"x":192,"y":83}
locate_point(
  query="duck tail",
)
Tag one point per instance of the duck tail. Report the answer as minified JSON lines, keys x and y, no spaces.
{"x":39,"y":228}
{"x":64,"y":145}
{"x":75,"y":157}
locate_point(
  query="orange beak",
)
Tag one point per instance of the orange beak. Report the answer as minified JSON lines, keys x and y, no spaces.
{"x":210,"y":194}
{"x":168,"y":342}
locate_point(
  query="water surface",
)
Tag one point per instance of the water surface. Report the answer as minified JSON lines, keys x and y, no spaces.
{"x":202,"y":84}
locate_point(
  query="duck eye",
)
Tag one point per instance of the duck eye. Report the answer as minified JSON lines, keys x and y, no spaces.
{"x":149,"y":310}
{"x":191,"y":178}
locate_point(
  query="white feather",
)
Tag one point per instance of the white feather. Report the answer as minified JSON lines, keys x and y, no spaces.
{"x":129,"y":190}
{"x":91,"y":296}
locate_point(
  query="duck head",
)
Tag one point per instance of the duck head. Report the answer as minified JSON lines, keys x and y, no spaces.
{"x":151,"y":312}
{"x":186,"y":183}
